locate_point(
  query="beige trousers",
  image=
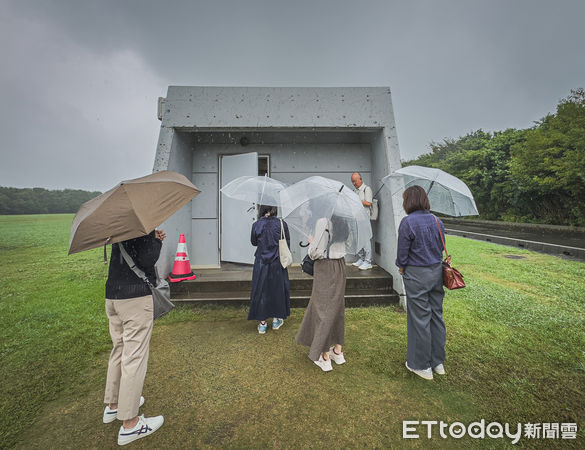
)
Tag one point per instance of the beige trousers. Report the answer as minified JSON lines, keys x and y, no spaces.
{"x":130,"y":328}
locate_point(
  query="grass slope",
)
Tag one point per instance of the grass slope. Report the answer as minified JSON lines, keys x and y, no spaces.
{"x":515,"y":353}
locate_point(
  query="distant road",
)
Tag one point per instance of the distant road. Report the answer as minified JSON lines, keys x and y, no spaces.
{"x":556,"y":240}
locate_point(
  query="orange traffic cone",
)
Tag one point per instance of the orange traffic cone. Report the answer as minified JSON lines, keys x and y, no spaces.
{"x":182,"y":267}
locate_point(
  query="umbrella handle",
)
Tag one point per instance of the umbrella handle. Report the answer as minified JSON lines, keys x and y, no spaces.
{"x":430,"y":187}
{"x":378,"y":191}
{"x":301,"y":244}
{"x":105,"y":252}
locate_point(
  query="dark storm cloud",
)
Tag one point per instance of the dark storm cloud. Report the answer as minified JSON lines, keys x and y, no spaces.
{"x":83,"y":76}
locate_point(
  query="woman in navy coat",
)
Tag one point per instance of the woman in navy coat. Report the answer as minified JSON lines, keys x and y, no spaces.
{"x":270,"y":296}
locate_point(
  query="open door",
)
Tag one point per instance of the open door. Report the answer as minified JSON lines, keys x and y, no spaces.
{"x":237,"y":217}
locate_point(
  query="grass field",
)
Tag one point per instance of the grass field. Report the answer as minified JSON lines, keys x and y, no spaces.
{"x":515,"y":353}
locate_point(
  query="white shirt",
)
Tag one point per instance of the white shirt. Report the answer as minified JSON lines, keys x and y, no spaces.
{"x":318,"y":246}
{"x":365,"y":193}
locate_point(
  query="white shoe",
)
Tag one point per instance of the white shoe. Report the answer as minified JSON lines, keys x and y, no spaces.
{"x":439,"y":370}
{"x":337,"y":358}
{"x":145,"y":427}
{"x":358,"y":263}
{"x":324,"y":365}
{"x":110,"y":414}
{"x":365,"y":266}
{"x":427,"y":374}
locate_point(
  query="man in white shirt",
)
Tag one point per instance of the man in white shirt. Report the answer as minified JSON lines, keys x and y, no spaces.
{"x":365,"y":194}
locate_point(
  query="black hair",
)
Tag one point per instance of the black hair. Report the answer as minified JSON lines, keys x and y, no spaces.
{"x":339,"y":229}
{"x":267,"y":209}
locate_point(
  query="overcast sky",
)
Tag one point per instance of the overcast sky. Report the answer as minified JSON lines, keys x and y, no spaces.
{"x":79,"y":79}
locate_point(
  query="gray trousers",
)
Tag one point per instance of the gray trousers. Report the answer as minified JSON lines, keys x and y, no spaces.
{"x":426,"y":332}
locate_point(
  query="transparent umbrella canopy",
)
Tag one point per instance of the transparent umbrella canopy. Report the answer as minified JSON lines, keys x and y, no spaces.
{"x":313,"y":198}
{"x":260,"y":190}
{"x":447,"y":194}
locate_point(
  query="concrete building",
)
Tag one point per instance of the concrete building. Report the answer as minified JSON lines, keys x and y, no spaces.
{"x":214,"y":134}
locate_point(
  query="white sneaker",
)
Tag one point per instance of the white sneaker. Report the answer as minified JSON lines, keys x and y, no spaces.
{"x":337,"y":358}
{"x":110,"y":414}
{"x":324,"y":365}
{"x":358,"y":263}
{"x":427,"y":374}
{"x":145,"y":427}
{"x":365,"y":266}
{"x":439,"y":370}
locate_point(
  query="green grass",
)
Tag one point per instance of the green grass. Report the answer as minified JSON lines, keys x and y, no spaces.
{"x":515,"y":353}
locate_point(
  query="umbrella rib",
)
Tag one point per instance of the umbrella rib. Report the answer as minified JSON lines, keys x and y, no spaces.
{"x":263,"y":187}
{"x":112,"y":216}
{"x":134,"y":211}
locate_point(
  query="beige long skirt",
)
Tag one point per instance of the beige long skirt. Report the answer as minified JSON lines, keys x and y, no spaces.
{"x":324,"y":322}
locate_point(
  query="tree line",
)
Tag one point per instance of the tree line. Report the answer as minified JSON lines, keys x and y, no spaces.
{"x":530,"y":175}
{"x":42,"y":201}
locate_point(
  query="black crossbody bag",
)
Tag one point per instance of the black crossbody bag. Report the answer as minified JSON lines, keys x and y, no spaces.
{"x":161,"y":293}
{"x":308,"y":264}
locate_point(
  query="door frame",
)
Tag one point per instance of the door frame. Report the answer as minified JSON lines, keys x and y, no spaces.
{"x":219,"y":174}
{"x":267,"y":156}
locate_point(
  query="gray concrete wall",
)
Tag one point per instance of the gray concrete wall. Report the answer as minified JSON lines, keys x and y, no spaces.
{"x":292,"y":108}
{"x":386,"y":158}
{"x":289,"y":163}
{"x":178,"y":156}
{"x":306,"y":131}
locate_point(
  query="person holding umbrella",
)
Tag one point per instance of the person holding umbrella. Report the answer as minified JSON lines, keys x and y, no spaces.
{"x":324,"y":320}
{"x":419,"y":257}
{"x":334,"y":222}
{"x":270,"y":294}
{"x":129,"y":309}
{"x":127,"y":215}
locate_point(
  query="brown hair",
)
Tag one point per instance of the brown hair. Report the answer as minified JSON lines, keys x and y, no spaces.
{"x":415,"y":199}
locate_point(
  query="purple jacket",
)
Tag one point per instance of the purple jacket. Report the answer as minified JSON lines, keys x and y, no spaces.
{"x":419,"y":241}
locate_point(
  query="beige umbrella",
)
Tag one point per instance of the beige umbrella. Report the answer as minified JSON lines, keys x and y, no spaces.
{"x":131,"y":209}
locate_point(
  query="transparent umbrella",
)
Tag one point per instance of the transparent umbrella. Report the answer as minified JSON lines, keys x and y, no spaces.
{"x":447,"y":194}
{"x":317,"y":197}
{"x":260,"y":190}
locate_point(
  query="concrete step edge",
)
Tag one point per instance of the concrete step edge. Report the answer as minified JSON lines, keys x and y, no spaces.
{"x":292,"y":297}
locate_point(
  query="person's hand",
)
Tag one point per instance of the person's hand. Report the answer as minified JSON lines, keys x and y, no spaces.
{"x":160,"y":235}
{"x":401,"y":270}
{"x":309,"y":239}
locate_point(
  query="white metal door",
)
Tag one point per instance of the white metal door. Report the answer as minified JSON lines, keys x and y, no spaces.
{"x":237,"y":217}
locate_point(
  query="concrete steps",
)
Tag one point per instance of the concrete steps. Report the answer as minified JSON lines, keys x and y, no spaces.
{"x":231,"y":285}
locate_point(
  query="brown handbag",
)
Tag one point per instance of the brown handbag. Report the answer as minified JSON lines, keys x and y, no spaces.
{"x":452,"y":278}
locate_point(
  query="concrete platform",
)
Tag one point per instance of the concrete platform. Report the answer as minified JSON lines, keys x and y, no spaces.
{"x":231,"y":285}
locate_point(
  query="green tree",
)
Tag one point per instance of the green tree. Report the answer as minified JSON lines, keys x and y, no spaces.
{"x":481,"y":160}
{"x":42,"y":201}
{"x":535,"y":175}
{"x":550,"y":164}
